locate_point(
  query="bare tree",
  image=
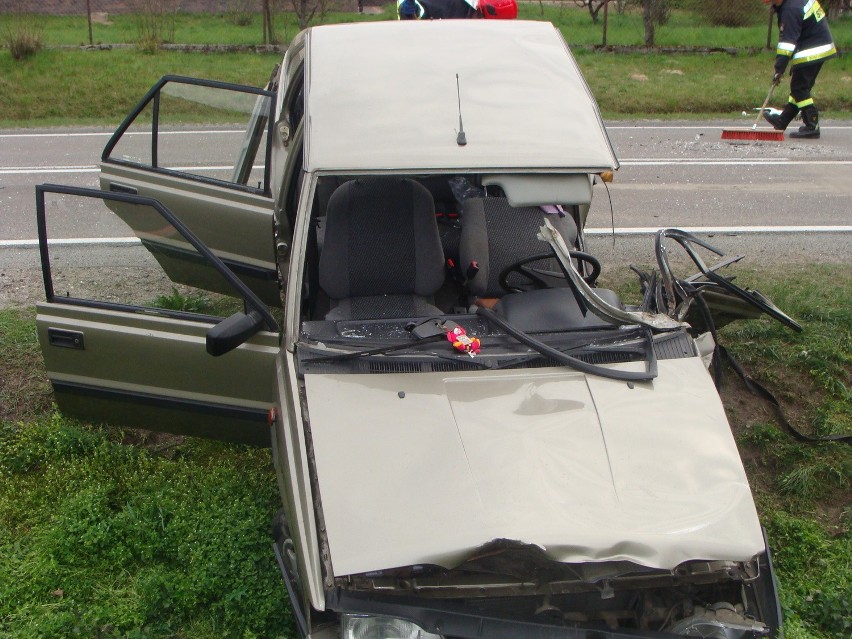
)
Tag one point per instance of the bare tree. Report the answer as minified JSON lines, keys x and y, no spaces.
{"x":308,"y":10}
{"x":654,"y":12}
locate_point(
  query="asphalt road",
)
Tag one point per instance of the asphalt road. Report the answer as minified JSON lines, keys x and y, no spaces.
{"x":787,"y":201}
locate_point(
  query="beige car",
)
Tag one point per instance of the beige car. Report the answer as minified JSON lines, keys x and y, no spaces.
{"x":382,"y":274}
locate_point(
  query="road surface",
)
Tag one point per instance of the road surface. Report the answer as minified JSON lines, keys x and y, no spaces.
{"x":786,"y":201}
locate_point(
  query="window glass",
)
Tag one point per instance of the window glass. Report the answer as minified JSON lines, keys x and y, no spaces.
{"x":211,"y":132}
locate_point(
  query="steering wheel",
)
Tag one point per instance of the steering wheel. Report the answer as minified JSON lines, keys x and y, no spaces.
{"x":536,"y":277}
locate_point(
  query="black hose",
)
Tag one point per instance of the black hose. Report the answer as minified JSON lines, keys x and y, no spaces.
{"x":567,"y":360}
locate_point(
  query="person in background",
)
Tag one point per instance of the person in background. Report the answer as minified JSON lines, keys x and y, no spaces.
{"x":455,"y":9}
{"x":804,"y":40}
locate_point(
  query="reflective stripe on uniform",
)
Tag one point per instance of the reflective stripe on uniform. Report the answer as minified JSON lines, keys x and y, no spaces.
{"x":813,"y":8}
{"x":814,"y":53}
{"x":803,"y":103}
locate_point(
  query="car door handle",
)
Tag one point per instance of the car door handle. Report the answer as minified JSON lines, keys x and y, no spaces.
{"x":65,"y":339}
{"x":120,"y":188}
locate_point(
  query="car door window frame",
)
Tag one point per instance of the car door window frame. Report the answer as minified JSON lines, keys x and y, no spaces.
{"x":153,"y":96}
{"x":250,"y":300}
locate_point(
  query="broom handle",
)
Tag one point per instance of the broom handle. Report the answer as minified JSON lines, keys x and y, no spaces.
{"x":765,"y":102}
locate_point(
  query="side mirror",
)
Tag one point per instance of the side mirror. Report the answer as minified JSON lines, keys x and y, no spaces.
{"x":232,"y":331}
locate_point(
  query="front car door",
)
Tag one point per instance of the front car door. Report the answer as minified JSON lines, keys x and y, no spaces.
{"x":124,"y":344}
{"x":215,"y":174}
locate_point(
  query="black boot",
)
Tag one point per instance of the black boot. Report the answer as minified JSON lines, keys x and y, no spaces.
{"x":781,"y":120}
{"x":810,"y":115}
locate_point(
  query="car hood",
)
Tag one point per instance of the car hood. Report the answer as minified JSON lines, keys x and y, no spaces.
{"x":425,"y":468}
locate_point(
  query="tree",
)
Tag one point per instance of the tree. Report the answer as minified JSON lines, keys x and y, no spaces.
{"x":654,"y":12}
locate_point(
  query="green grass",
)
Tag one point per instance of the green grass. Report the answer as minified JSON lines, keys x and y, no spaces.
{"x":24,"y":392}
{"x":104,"y":539}
{"x":641,"y":85}
{"x":183,"y":28}
{"x":100,"y":87}
{"x":804,"y":492}
{"x":107,"y":533}
{"x":62,"y":87}
{"x":684,"y":28}
{"x":79,"y":87}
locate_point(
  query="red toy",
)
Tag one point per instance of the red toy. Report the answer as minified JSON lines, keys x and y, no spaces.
{"x":461,"y":342}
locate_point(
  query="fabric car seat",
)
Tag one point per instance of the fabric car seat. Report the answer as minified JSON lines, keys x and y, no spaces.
{"x":381,"y":255}
{"x":495,"y":235}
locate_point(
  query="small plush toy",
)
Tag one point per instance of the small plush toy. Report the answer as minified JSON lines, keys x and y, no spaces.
{"x":461,"y":342}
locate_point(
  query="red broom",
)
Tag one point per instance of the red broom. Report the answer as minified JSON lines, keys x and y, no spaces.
{"x":753,"y":133}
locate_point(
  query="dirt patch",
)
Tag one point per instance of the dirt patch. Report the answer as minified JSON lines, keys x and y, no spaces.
{"x":101,"y":17}
{"x":20,"y":287}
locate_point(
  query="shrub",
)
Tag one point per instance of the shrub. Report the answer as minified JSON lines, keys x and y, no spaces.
{"x":23,"y":36}
{"x":155,"y":23}
{"x":241,"y":12}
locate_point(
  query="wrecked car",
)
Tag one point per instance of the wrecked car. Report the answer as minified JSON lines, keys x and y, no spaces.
{"x":471,"y":438}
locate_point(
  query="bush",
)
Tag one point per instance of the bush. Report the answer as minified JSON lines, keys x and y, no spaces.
{"x":155,"y":23}
{"x":23,"y":37}
{"x":241,"y":12}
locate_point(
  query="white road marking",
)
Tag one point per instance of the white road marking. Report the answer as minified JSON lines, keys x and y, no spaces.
{"x":720,"y":127}
{"x":622,"y":231}
{"x":109,"y":134}
{"x":722,"y":162}
{"x":15,"y":170}
{"x":22,"y":170}
{"x":614,"y":127}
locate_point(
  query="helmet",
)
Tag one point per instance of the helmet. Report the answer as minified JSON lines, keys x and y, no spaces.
{"x":498,"y":9}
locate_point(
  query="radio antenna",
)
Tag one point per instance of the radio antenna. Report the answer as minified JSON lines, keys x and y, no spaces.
{"x":461,"y":140}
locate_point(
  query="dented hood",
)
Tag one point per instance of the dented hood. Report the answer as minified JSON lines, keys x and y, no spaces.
{"x":425,"y":468}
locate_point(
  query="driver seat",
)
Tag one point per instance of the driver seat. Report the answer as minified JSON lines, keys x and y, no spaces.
{"x":382,"y":255}
{"x":495,"y":235}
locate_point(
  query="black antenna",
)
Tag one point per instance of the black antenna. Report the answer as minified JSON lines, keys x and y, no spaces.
{"x":461,"y":140}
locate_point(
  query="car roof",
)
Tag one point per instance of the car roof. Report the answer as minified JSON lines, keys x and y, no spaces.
{"x":383,"y":95}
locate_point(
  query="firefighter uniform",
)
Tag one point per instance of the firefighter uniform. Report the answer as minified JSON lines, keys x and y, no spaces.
{"x":804,"y":42}
{"x":436,"y":9}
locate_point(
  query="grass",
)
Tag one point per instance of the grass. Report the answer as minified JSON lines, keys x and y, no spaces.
{"x":110,"y":533}
{"x":105,"y":539}
{"x":98,"y":87}
{"x":804,"y":491}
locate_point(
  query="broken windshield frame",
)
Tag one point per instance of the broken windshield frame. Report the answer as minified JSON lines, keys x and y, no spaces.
{"x":631,"y":343}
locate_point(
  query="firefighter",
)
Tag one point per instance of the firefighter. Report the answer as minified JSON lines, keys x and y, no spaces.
{"x":448,"y":9}
{"x":805,"y":40}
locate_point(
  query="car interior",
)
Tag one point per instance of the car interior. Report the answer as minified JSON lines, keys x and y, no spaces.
{"x":398,"y":246}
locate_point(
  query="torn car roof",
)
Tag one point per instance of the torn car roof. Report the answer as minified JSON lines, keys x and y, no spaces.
{"x":384,"y":95}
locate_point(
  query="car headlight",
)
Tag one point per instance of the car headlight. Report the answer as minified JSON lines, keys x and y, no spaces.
{"x":381,"y":627}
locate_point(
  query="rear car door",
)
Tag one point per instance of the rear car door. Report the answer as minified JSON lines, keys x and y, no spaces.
{"x":203,"y":149}
{"x":124,"y":344}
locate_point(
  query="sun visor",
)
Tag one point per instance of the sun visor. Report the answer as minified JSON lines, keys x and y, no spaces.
{"x":537,"y":190}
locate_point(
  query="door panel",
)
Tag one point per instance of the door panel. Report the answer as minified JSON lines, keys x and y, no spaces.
{"x":235,"y":225}
{"x":142,"y":371}
{"x":124,"y":344}
{"x":214,"y":177}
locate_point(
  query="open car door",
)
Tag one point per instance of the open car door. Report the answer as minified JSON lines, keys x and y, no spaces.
{"x":124,"y":344}
{"x":215,"y":176}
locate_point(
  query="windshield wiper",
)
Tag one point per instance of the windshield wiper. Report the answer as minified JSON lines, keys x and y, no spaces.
{"x":573,"y":362}
{"x":381,"y":350}
{"x":620,"y":351}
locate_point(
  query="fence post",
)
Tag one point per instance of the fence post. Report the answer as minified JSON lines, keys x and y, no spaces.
{"x":769,"y":30}
{"x":606,"y":20}
{"x":89,"y":14}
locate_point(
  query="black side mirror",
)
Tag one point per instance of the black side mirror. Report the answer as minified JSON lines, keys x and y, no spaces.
{"x":232,"y":331}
